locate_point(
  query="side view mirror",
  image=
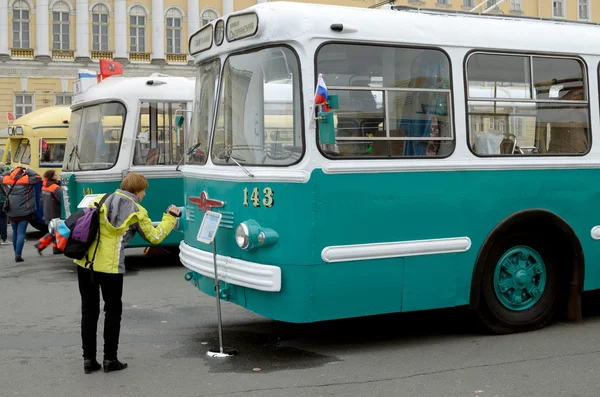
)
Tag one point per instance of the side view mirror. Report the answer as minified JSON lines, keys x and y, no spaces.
{"x":326,"y":122}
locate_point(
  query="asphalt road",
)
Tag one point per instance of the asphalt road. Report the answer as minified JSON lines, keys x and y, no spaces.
{"x":168,"y":326}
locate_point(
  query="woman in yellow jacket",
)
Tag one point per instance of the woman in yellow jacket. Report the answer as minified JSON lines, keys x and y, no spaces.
{"x":121,"y":216}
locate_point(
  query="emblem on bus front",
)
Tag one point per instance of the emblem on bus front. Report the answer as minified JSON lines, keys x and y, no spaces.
{"x":204,"y":203}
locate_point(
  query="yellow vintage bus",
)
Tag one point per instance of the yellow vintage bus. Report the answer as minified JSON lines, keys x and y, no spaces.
{"x":37,"y":140}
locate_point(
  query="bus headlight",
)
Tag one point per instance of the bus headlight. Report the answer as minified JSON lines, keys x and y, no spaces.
{"x":249,"y":235}
{"x":242,"y":236}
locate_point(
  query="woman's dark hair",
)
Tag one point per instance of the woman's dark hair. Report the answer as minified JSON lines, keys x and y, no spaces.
{"x":49,"y":174}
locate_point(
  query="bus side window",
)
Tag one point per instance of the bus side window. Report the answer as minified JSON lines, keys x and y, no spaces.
{"x":160,"y":138}
{"x":394,"y":102}
{"x":549,"y":115}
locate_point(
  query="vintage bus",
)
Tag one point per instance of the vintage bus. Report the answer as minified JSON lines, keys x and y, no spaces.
{"x":37,"y":140}
{"x":452,"y":170}
{"x":129,"y":124}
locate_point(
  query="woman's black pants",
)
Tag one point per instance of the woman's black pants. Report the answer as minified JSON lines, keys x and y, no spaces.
{"x":112,"y":291}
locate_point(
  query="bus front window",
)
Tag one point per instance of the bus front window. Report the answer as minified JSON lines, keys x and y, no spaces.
{"x":94,"y":137}
{"x":204,"y":110}
{"x":23,"y":153}
{"x":259,"y":115}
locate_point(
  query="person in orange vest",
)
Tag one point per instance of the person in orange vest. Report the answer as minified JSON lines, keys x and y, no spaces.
{"x":20,"y":206}
{"x":51,"y":202}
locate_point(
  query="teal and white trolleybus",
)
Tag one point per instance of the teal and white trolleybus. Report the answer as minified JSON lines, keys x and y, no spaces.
{"x":456,"y":166}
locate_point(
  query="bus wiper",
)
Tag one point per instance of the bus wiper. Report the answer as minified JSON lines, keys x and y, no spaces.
{"x":75,"y":152}
{"x":188,"y":154}
{"x":226,"y":157}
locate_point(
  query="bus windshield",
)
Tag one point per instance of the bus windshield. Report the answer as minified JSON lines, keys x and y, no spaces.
{"x":23,"y":153}
{"x":259,"y":118}
{"x":94,"y":137}
{"x":204,"y":110}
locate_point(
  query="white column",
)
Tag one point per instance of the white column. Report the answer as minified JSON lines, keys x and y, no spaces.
{"x":42,"y":29}
{"x":193,"y":18}
{"x":227,"y":6}
{"x":158,"y":30}
{"x":4,"y":27}
{"x":82,"y":29}
{"x":121,"y":38}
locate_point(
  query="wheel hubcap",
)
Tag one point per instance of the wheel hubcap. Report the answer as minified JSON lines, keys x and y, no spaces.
{"x":520,"y":278}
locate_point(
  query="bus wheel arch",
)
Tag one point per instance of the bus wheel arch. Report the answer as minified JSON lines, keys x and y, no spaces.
{"x":562,"y":239}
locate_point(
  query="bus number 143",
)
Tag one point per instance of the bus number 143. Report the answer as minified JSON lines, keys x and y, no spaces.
{"x":267,"y":201}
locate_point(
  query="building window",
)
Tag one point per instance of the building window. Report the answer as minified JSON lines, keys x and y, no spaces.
{"x":545,"y":94}
{"x":23,"y":104}
{"x":63,"y":99}
{"x":137,"y":29}
{"x":468,"y":3}
{"x":208,"y":16}
{"x":584,"y":9}
{"x":403,"y":110}
{"x":20,"y":22}
{"x":515,"y":5}
{"x":558,"y":8}
{"x":492,"y":3}
{"x":443,"y":2}
{"x":100,"y":28}
{"x":174,"y":31}
{"x":60,"y":26}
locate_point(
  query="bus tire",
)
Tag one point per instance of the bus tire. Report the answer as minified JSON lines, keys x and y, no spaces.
{"x":521,"y":288}
{"x":42,"y":227}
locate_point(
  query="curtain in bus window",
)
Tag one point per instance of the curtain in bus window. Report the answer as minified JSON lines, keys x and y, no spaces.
{"x":421,"y":115}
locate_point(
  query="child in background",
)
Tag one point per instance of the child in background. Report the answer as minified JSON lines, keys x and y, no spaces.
{"x":51,"y":202}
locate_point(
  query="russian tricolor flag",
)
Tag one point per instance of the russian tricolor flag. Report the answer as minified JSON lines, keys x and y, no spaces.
{"x":321,"y":95}
{"x":85,"y":73}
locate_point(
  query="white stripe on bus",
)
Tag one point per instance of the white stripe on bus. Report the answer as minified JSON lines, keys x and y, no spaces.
{"x":396,"y":249}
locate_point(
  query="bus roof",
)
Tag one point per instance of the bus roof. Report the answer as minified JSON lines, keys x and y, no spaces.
{"x":289,"y":22}
{"x":156,"y":86}
{"x":49,"y":116}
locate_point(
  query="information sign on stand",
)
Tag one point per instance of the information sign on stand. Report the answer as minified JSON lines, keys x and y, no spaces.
{"x":206,"y":235}
{"x":87,"y":200}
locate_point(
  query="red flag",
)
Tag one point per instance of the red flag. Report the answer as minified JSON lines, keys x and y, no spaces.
{"x":109,"y":68}
{"x":10,"y":117}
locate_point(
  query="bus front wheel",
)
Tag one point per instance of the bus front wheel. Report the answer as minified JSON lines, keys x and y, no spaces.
{"x":521,"y":288}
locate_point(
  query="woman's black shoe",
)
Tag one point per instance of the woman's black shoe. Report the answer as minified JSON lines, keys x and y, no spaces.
{"x":19,"y":259}
{"x":113,"y":365}
{"x":90,"y":366}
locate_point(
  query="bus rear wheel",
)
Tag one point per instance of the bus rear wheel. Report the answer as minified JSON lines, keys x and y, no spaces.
{"x":521,"y":287}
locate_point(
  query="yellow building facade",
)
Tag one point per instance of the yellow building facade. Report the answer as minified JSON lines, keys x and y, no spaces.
{"x":43,"y":43}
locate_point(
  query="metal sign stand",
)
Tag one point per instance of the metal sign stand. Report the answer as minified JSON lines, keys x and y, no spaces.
{"x":207,"y":235}
{"x":221,"y":352}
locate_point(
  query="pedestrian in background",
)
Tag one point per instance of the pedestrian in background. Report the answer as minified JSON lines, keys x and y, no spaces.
{"x":19,"y":205}
{"x":51,"y":203}
{"x":121,"y":216}
{"x":3,"y":216}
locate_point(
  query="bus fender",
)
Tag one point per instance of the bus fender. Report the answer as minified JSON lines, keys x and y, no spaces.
{"x":530,"y":217}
